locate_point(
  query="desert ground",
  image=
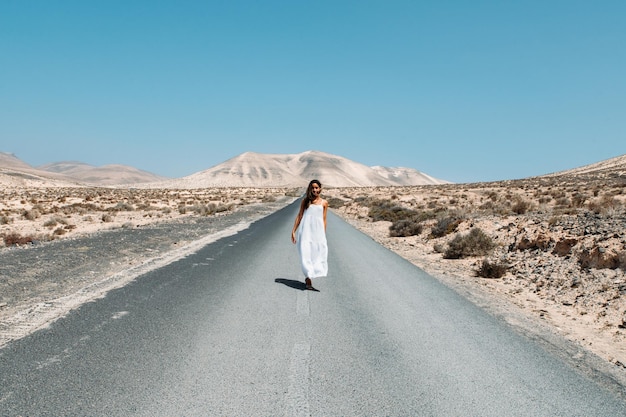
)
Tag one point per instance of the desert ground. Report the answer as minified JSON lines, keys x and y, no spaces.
{"x":553,"y":249}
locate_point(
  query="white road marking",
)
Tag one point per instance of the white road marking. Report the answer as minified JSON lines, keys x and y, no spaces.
{"x":302,"y":303}
{"x":298,"y":393}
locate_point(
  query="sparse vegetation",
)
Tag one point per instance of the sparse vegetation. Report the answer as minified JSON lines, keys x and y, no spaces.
{"x":33,"y":214}
{"x":492,"y":269}
{"x":335,"y":203}
{"x":445,"y":226}
{"x":405,"y":227}
{"x":387,"y":211}
{"x":53,"y":221}
{"x":474,"y":243}
{"x":13,"y":239}
{"x":59,"y":231}
{"x":55,"y":208}
{"x":521,"y":206}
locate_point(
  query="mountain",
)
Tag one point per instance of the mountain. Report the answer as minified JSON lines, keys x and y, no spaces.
{"x":406,"y":176}
{"x":113,"y":174}
{"x":252,"y":169}
{"x":16,"y":173}
{"x":10,"y":161}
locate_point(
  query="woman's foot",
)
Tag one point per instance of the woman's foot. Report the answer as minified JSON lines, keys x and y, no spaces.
{"x":308,"y":284}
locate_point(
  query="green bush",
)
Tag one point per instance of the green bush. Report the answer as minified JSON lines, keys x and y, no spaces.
{"x":474,"y":243}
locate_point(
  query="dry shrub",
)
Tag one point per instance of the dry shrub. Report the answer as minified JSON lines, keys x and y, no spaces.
{"x":439,"y":248}
{"x":14,"y":238}
{"x":335,"y":203}
{"x":521,"y":206}
{"x":53,"y":221}
{"x":225,"y":207}
{"x":445,"y":226}
{"x":202,"y":209}
{"x":474,"y":243}
{"x":604,"y":205}
{"x":405,"y":227}
{"x":563,"y":202}
{"x":490,"y":269}
{"x":32,"y":214}
{"x":122,"y":206}
{"x":578,"y":199}
{"x":59,"y":231}
{"x":386,"y":211}
{"x":107,"y":218}
{"x":544,"y":200}
{"x":5,"y":220}
{"x":145,"y":207}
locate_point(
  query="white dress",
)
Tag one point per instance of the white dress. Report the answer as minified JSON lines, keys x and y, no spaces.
{"x":312,"y":245}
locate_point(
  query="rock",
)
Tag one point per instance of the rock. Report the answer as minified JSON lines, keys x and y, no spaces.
{"x":564,"y":247}
{"x":541,"y":241}
{"x":599,"y":258}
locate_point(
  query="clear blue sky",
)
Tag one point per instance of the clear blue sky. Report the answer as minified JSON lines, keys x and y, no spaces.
{"x":461,"y":90}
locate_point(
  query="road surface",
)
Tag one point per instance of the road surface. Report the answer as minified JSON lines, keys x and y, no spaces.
{"x":231,"y":331}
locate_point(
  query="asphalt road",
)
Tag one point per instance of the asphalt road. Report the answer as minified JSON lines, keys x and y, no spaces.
{"x":231,"y":331}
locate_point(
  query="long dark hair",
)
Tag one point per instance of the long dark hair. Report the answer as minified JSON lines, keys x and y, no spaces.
{"x":309,"y":197}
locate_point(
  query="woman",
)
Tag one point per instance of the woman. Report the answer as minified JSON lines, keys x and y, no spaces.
{"x":309,"y":232}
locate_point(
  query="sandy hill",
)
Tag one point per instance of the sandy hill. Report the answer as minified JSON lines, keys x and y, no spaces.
{"x":10,"y":161}
{"x":613,"y":167}
{"x":15,"y":173}
{"x":252,"y":169}
{"x":113,"y":174}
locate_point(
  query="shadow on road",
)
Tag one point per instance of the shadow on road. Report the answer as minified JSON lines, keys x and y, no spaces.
{"x":298,"y":285}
